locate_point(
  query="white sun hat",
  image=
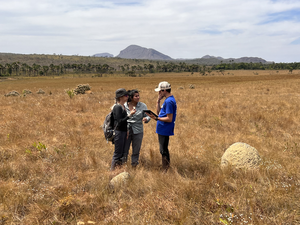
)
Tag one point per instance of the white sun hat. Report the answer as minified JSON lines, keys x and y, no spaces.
{"x":163,"y":86}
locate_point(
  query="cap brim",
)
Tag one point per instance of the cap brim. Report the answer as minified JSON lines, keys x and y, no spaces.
{"x":157,"y":89}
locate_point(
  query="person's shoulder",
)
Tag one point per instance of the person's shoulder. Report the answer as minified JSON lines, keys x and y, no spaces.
{"x":171,"y":99}
{"x":113,"y":106}
{"x":143,"y":105}
{"x":126,"y":105}
{"x":117,"y":106}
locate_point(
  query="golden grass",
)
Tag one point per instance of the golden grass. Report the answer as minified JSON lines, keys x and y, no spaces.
{"x":54,"y":161}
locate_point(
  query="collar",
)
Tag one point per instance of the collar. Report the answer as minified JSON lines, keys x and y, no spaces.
{"x":127,"y":106}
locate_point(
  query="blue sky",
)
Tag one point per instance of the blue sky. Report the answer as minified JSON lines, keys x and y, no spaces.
{"x":178,"y":28}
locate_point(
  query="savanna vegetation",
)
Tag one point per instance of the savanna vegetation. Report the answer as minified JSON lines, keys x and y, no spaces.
{"x":58,"y":65}
{"x":54,"y":161}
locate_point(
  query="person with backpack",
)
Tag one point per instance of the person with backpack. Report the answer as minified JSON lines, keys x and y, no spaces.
{"x":136,"y":129}
{"x":120,"y":117}
{"x":165,"y":120}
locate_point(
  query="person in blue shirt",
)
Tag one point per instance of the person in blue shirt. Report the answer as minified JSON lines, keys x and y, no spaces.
{"x":165,"y":120}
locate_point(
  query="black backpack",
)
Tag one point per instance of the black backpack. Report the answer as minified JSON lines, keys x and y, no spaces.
{"x":108,"y":127}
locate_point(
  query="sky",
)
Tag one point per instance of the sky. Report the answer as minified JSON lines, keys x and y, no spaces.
{"x":269,"y":29}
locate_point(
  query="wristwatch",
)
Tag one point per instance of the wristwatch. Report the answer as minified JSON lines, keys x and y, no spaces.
{"x":156,"y":118}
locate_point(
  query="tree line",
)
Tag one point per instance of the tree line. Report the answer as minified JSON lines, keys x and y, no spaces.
{"x":24,"y":69}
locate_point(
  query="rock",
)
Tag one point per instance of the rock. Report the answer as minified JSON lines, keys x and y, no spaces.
{"x":89,"y":92}
{"x":241,"y":155}
{"x":26,"y":92}
{"x":88,"y":222}
{"x":191,"y":86}
{"x":81,"y":89}
{"x":12,"y":93}
{"x":119,"y":180}
{"x":40,"y":91}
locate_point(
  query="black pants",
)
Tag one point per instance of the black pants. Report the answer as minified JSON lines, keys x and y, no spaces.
{"x":120,"y":140}
{"x":163,"y":146}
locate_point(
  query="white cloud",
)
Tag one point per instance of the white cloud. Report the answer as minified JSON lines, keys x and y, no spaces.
{"x":178,"y":28}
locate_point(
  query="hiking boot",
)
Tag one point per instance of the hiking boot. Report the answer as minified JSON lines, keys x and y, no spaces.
{"x":115,"y":165}
{"x":165,"y":163}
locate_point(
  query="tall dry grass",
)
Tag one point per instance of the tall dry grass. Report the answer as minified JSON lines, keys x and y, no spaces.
{"x":54,"y":161}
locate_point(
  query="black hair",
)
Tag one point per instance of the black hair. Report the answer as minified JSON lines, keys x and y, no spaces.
{"x":131,"y":94}
{"x":168,"y":90}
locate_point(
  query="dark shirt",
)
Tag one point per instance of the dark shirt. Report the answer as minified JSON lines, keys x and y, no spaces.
{"x":120,"y":118}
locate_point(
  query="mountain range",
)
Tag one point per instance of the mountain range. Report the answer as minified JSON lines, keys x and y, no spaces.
{"x":138,"y":52}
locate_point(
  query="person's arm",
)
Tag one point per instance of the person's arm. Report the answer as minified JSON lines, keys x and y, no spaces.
{"x":169,"y":111}
{"x":167,"y":119}
{"x":118,"y":115}
{"x":146,"y":118}
{"x":158,"y":108}
{"x":118,"y":110}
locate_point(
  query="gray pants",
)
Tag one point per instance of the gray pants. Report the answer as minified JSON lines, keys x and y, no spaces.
{"x":120,"y":139}
{"x":136,"y":140}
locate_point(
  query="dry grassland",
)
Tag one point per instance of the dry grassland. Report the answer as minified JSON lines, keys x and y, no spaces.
{"x":54,"y":161}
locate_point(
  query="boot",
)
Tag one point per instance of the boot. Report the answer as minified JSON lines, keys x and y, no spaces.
{"x":165,"y":163}
{"x":115,"y":164}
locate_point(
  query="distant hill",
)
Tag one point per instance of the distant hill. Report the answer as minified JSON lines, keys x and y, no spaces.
{"x":213,"y":60}
{"x":249,"y":60}
{"x":137,"y":52}
{"x":108,"y":55}
{"x":209,"y":57}
{"x":236,"y":60}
